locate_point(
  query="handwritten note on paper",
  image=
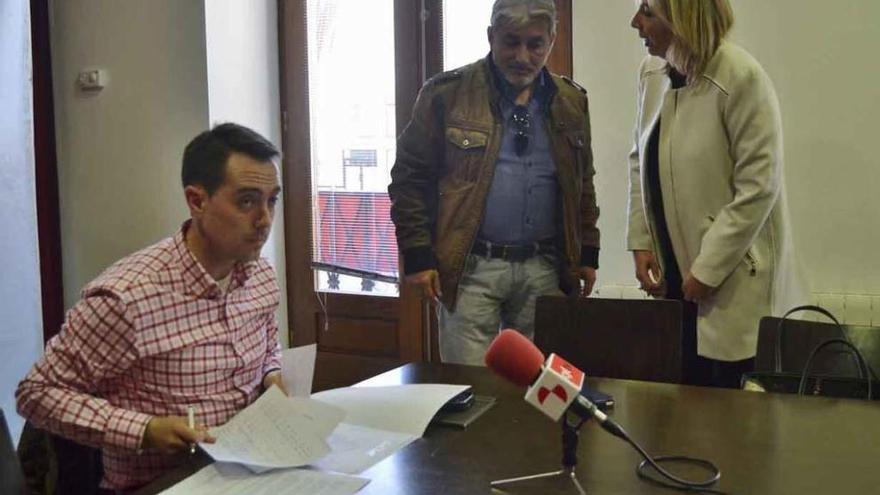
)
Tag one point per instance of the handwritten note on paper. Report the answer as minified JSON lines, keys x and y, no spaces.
{"x":298,"y":369}
{"x":323,"y":417}
{"x":272,"y":433}
{"x":356,"y":448}
{"x":230,"y":479}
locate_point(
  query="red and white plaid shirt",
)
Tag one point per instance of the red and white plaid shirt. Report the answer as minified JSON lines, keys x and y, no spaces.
{"x":152,"y":335}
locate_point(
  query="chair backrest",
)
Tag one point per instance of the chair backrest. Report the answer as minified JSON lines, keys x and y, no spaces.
{"x":800,"y":337}
{"x":54,"y":464}
{"x":11,"y":478}
{"x":636,"y":339}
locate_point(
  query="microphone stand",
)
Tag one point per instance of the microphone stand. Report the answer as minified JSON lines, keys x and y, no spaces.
{"x":569,"y":459}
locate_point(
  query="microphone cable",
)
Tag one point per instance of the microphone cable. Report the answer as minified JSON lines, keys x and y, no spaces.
{"x":671,"y":481}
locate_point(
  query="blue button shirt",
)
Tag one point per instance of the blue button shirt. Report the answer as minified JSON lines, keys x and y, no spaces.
{"x":521,"y":205}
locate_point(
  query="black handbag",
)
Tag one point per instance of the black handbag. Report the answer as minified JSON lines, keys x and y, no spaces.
{"x":805,"y":382}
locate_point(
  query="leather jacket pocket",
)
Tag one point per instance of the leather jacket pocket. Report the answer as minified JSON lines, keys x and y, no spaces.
{"x":465,"y":151}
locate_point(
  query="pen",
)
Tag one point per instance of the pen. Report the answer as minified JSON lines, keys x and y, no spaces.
{"x":191,"y":418}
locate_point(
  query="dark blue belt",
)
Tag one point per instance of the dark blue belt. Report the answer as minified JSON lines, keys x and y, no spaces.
{"x":512,"y":252}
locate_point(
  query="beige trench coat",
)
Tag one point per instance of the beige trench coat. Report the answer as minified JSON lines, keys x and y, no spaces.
{"x":721,"y":177}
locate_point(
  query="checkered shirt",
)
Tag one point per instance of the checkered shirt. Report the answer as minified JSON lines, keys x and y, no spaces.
{"x":152,"y":335}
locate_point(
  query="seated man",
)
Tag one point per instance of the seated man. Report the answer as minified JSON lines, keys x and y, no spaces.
{"x":189,"y":321}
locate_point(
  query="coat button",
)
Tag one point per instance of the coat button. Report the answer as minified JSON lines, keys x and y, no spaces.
{"x":466,"y":142}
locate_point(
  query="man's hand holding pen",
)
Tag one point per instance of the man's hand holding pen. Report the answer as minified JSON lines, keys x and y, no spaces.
{"x":171,"y":434}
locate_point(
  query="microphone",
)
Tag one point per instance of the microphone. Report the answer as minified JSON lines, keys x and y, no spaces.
{"x":553,"y":386}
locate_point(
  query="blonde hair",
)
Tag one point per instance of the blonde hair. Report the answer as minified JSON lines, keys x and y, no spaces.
{"x":698,"y":27}
{"x":518,"y":13}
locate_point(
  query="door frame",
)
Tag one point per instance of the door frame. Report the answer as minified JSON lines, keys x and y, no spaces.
{"x":419,"y":55}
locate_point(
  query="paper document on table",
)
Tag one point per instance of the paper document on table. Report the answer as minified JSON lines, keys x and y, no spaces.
{"x":298,"y":369}
{"x":275,"y":431}
{"x":231,"y":479}
{"x":379,"y":421}
{"x":355,"y":448}
{"x":400,"y":408}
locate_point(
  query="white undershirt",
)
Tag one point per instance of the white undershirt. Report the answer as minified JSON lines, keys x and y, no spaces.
{"x":224,"y":282}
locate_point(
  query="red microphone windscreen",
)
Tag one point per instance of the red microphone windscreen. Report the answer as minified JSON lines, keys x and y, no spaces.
{"x":515,"y":358}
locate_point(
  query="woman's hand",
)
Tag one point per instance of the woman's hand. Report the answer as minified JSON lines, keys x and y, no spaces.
{"x":648,"y":273}
{"x":694,"y":290}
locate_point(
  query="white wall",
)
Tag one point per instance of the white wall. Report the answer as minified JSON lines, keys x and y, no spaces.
{"x":173,"y":68}
{"x":242,"y":55}
{"x":119,"y":151}
{"x":819,"y":54}
{"x":20,"y":310}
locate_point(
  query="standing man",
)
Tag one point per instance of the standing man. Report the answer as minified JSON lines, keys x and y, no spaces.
{"x":189,"y":321}
{"x":492,"y":192}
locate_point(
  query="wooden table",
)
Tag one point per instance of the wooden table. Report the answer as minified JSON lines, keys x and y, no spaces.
{"x":763,"y":443}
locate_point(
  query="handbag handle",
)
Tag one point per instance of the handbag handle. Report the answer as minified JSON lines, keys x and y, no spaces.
{"x":777,"y":365}
{"x":863,"y":366}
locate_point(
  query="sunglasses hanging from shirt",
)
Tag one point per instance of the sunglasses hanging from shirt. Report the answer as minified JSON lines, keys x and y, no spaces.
{"x":521,"y":123}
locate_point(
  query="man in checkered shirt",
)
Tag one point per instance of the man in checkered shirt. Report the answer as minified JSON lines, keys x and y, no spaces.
{"x":189,"y":321}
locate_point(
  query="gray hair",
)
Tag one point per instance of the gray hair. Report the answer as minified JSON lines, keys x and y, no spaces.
{"x":521,"y":12}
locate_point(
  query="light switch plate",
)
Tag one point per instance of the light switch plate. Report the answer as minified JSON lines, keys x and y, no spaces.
{"x":91,"y":79}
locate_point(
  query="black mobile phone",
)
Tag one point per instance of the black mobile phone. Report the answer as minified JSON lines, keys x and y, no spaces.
{"x":602,"y":400}
{"x":460,"y":402}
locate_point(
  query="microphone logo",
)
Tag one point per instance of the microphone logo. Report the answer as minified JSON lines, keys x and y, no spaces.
{"x":558,"y":379}
{"x":558,"y":391}
{"x":565,"y":369}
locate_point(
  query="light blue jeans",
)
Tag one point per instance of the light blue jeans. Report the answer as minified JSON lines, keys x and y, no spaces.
{"x":493,"y":294}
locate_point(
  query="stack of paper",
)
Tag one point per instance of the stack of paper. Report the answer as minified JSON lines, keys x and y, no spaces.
{"x":231,"y":479}
{"x":276,"y":431}
{"x":379,"y":421}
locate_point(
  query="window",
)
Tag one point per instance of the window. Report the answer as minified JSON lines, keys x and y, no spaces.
{"x":464,"y":31}
{"x":351,"y":104}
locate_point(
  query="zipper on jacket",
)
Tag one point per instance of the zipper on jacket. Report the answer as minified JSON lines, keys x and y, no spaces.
{"x":750,"y":258}
{"x":569,"y":256}
{"x":753,"y":263}
{"x":497,"y":132}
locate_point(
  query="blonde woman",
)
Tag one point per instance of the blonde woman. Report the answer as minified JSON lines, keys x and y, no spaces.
{"x":708,"y":221}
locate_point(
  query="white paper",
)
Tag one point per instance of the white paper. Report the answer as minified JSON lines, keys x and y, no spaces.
{"x":354,"y":448}
{"x":298,"y":369}
{"x":275,"y":431}
{"x":230,"y":479}
{"x":402,"y":408}
{"x":325,"y":419}
{"x":379,"y":421}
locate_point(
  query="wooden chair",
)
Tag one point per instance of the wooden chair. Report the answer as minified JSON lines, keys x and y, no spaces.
{"x":619,"y":338}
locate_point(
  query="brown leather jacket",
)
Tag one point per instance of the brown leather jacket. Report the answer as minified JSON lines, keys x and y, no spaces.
{"x":445,"y":164}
